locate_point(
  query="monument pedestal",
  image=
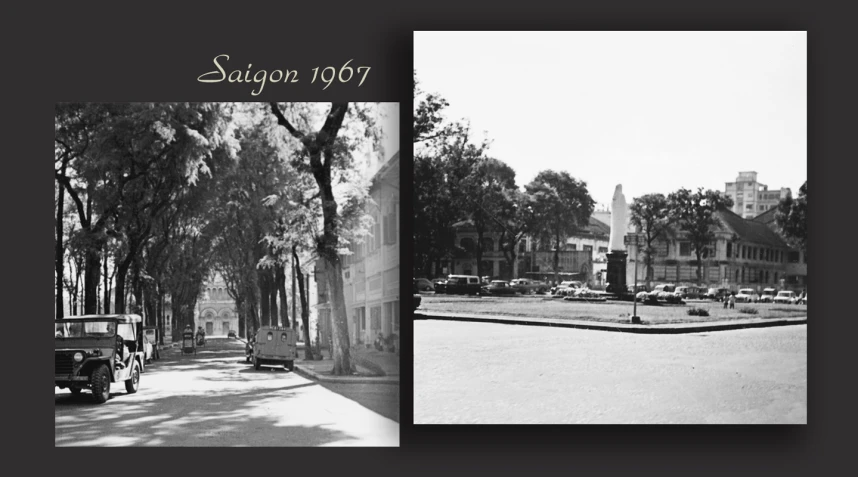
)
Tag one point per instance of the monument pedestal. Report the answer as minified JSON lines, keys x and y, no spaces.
{"x":616,"y":273}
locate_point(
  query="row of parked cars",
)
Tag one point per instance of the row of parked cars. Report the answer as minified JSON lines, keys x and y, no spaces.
{"x":674,"y":294}
{"x":473,"y":285}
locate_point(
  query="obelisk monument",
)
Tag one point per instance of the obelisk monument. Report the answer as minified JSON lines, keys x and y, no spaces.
{"x":616,"y":245}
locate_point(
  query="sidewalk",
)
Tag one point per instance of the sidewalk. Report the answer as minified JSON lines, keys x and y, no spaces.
{"x":370,"y":364}
{"x":670,"y":328}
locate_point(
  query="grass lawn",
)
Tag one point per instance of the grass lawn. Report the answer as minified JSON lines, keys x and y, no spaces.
{"x":612,"y":311}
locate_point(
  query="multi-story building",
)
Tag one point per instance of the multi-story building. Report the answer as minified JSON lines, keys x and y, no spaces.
{"x":751,"y":198}
{"x":371,"y":271}
{"x":745,"y":253}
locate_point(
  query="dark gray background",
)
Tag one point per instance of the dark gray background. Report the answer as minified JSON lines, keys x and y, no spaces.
{"x":155,"y":52}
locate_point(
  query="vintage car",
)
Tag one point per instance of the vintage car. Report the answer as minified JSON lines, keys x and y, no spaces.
{"x":565,"y":288}
{"x":686,"y":292}
{"x":664,"y":293}
{"x":786,"y":297}
{"x":423,"y":285}
{"x":93,"y":351}
{"x":717,"y":294}
{"x":526,"y":286}
{"x":462,"y":285}
{"x":768,"y":295}
{"x":231,"y":334}
{"x":436,"y":282}
{"x":153,"y":335}
{"x":747,"y":295}
{"x":275,"y":346}
{"x":500,"y":287}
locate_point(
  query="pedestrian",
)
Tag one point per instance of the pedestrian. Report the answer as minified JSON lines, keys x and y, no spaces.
{"x":726,"y":301}
{"x":732,"y":301}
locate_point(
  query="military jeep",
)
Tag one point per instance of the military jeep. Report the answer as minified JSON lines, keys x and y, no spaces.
{"x":93,"y":351}
{"x":275,"y":346}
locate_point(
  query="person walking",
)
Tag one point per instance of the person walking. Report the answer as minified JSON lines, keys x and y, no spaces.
{"x":732,"y":301}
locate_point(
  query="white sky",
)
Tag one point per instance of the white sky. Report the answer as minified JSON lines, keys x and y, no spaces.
{"x":653,"y":111}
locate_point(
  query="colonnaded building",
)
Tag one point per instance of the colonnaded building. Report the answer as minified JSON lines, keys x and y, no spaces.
{"x":371,"y":272}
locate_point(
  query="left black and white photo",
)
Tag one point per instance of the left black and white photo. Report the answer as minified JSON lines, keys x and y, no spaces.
{"x":215,"y":268}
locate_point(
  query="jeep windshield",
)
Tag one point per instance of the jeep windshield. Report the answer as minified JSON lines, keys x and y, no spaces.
{"x":85,"y":329}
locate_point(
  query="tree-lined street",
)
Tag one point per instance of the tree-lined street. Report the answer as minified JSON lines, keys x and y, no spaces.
{"x":215,"y":398}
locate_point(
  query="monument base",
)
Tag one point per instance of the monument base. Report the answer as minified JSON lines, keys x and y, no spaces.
{"x":616,"y":273}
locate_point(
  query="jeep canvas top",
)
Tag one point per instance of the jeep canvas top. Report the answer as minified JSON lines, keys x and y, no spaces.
{"x":92,"y":351}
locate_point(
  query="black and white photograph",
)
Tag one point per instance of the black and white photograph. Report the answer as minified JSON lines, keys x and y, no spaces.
{"x":227,"y":274}
{"x":610,"y":227}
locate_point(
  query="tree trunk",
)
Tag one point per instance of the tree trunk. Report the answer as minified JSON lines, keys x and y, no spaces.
{"x":91,"y":279}
{"x":272,"y":295}
{"x":294,"y":302}
{"x":305,"y":312}
{"x":121,"y":272}
{"x":557,"y":260}
{"x":480,"y":254}
{"x":58,"y":249}
{"x":341,"y":354}
{"x":281,"y":289}
{"x":264,"y":300}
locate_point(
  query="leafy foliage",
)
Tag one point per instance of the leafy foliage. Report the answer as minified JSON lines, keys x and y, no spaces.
{"x":694,"y":214}
{"x":791,"y":217}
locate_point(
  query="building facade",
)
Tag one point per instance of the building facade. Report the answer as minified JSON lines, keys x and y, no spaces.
{"x":371,"y":285}
{"x":744,"y":254}
{"x":216,"y":311}
{"x":751,"y":198}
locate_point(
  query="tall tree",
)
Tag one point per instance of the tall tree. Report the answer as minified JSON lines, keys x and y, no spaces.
{"x":694,"y":214}
{"x":324,"y":153}
{"x":651,"y":215}
{"x":428,"y":118}
{"x":791,"y":217}
{"x":516,"y":218}
{"x":562,"y":206}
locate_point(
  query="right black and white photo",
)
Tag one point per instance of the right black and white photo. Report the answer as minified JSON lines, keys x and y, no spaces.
{"x":610,"y":227}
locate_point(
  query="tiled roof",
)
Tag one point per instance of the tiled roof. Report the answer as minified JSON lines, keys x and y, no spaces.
{"x":754,"y":230}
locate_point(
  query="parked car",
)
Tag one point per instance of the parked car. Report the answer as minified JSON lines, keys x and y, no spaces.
{"x":463,"y":285}
{"x":717,"y":294}
{"x":566,"y":288}
{"x":439,"y":284}
{"x":148,"y":353}
{"x":231,"y":334}
{"x":275,"y":346}
{"x":768,"y":295}
{"x":526,"y":286}
{"x":500,"y":287}
{"x":665,"y":292}
{"x":686,"y":292}
{"x":93,"y":351}
{"x":423,"y":285}
{"x":747,"y":295}
{"x":153,"y":334}
{"x":786,"y":297}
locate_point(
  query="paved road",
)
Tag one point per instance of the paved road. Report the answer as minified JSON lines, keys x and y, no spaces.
{"x":216,"y":399}
{"x":493,"y":373}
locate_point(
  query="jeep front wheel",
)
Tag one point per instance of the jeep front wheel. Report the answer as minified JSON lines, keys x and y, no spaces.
{"x":290,"y":365}
{"x":132,"y":383}
{"x":100,"y":381}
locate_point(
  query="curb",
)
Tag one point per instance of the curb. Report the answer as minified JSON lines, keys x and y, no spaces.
{"x":674,"y":328}
{"x":310,"y":374}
